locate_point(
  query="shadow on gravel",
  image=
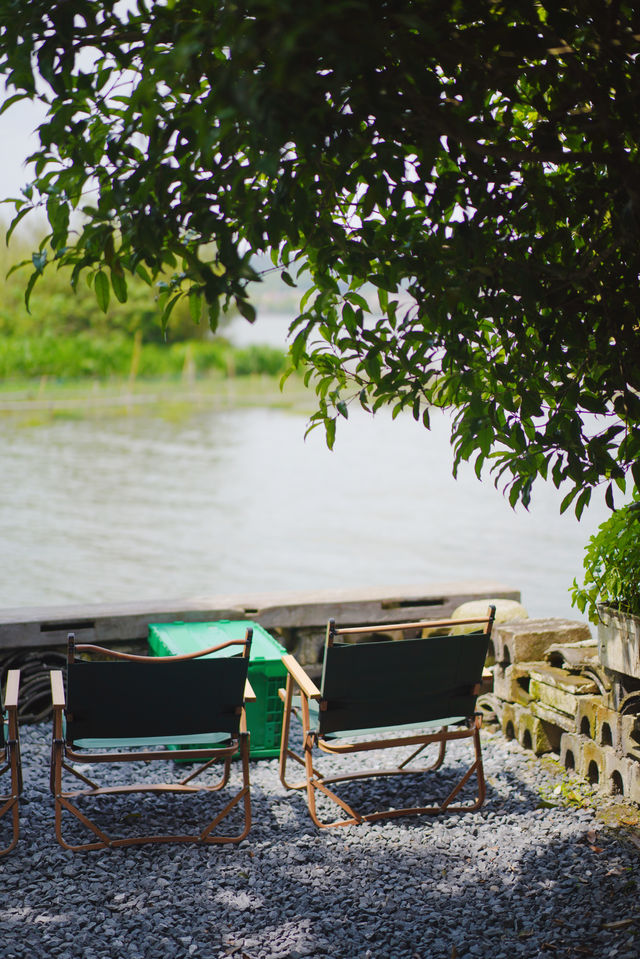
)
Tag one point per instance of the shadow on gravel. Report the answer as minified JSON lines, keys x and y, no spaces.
{"x":517,"y":879}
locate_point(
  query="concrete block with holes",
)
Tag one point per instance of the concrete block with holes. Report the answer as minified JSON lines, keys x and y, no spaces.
{"x":608,"y":727}
{"x":586,"y":715}
{"x":559,"y":688}
{"x":601,"y":766}
{"x":630,"y":736}
{"x":571,"y":752}
{"x":593,"y":762}
{"x":508,"y":722}
{"x":528,"y":640}
{"x":531,"y":732}
{"x":554,"y":717}
{"x":554,"y":723}
{"x":620,"y":776}
{"x":511,"y":683}
{"x":490,"y":707}
{"x":634,"y":780}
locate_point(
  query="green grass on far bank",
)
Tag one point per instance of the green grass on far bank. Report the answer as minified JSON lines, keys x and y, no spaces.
{"x":86,"y":356}
{"x":65,"y":350}
{"x":167,"y":381}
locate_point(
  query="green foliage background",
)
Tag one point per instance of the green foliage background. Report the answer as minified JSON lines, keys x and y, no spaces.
{"x":67,"y":336}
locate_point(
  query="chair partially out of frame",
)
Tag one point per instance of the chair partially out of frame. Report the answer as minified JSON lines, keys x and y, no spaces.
{"x":128,"y":708}
{"x":376,"y":695}
{"x":10,"y":757}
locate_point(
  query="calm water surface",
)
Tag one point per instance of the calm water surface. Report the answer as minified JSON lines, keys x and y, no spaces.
{"x":137,"y":507}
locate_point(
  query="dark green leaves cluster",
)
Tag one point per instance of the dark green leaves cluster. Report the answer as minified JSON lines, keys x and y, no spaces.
{"x":612,"y":564}
{"x":458,"y":183}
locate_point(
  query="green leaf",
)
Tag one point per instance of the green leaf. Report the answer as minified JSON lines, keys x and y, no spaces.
{"x":195,"y":305}
{"x":246,"y":310}
{"x":569,"y":498}
{"x":349,"y":318}
{"x":16,"y":220}
{"x":102,"y":290}
{"x":214,"y":314}
{"x":608,"y":497}
{"x":168,"y":309}
{"x":18,"y":266}
{"x":10,"y":101}
{"x":582,"y":501}
{"x":143,"y":274}
{"x":118,"y":283}
{"x":29,"y":289}
{"x":330,"y":428}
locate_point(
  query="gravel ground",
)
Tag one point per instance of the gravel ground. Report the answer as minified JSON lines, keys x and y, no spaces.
{"x":536,"y":872}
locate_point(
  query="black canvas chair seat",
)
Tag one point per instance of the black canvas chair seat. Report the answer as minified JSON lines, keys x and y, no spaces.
{"x":413,"y":692}
{"x":10,"y":765}
{"x":125,"y":708}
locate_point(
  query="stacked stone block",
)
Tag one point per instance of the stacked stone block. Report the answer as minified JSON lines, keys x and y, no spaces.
{"x":552,"y":693}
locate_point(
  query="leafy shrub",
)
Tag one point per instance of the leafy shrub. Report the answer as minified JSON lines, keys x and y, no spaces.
{"x":267,"y":360}
{"x":612,"y":564}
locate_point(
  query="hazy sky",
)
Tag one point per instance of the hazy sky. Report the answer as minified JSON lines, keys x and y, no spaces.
{"x":17,"y":141}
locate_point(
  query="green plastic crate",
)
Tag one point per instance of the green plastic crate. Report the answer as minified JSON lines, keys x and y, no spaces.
{"x":266,"y":672}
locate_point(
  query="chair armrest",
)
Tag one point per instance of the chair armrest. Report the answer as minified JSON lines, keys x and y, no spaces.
{"x":13,"y":685}
{"x":249,"y":695}
{"x":57,"y":688}
{"x":295,"y":670}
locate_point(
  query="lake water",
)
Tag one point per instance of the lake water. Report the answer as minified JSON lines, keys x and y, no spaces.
{"x":235,"y":500}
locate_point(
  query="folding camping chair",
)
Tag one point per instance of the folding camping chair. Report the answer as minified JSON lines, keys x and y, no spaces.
{"x":128,"y":708}
{"x":10,"y":756}
{"x":379,"y":695}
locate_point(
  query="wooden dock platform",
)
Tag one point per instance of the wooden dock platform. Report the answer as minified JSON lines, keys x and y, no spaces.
{"x":283,"y":613}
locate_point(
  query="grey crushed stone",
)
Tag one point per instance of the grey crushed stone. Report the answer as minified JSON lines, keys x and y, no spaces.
{"x":521,"y":878}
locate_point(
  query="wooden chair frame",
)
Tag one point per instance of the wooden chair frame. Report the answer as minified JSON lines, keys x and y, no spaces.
{"x":314,"y":737}
{"x":10,"y":757}
{"x":63,"y":754}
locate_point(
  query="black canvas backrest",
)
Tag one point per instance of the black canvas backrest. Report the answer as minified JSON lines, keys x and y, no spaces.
{"x":2,"y":742}
{"x":115,"y":700}
{"x":392,"y":683}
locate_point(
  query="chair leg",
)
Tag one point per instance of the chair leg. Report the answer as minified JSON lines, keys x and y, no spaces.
{"x":13,"y":765}
{"x":63,"y":802}
{"x":285,"y":750}
{"x":244,"y":794}
{"x":224,"y":779}
{"x":316,"y":782}
{"x":476,"y":767}
{"x":10,"y":804}
{"x":436,"y":765}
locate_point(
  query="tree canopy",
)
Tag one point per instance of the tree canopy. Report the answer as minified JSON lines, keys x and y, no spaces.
{"x":456,"y":186}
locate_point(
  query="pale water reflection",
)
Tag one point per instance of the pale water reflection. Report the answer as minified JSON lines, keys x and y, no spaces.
{"x":237,"y":501}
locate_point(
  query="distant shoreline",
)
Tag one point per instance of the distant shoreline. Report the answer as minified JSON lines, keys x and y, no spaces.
{"x":51,"y":398}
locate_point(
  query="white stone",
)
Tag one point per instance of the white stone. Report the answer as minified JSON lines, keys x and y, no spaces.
{"x":507,"y":611}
